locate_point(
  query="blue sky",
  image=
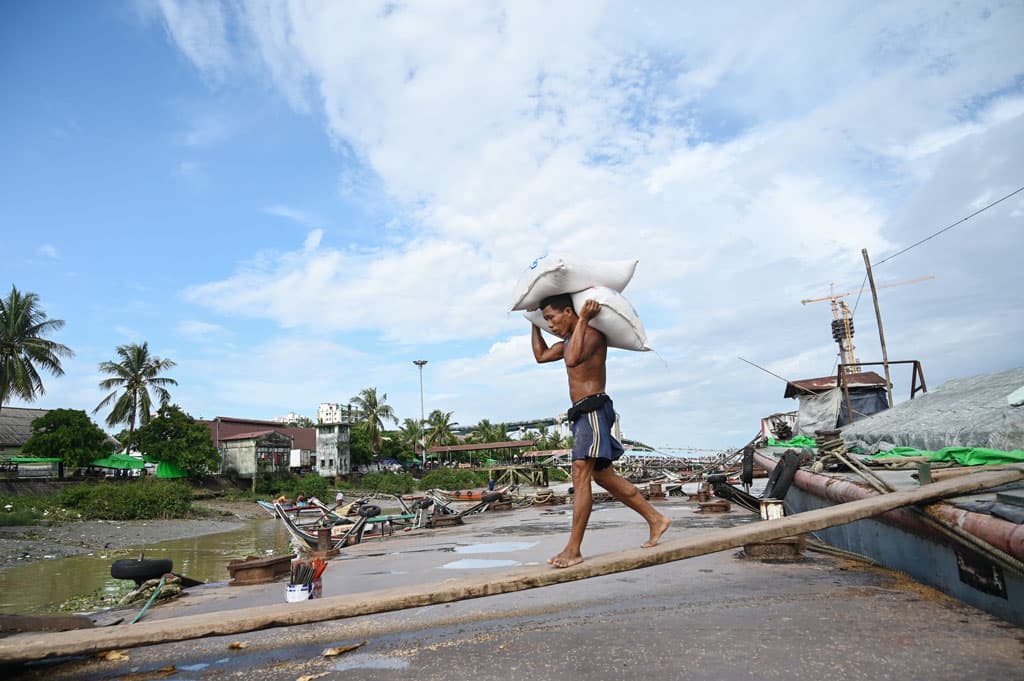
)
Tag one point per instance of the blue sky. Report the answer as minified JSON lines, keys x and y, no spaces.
{"x":294,"y":201}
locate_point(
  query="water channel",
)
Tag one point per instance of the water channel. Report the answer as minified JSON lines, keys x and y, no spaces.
{"x":41,"y":586}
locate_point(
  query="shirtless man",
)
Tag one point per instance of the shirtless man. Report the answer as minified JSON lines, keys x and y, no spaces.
{"x":592,"y":416}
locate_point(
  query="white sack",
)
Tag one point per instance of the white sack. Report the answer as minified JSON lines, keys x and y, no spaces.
{"x":617,"y":320}
{"x":551,"y":275}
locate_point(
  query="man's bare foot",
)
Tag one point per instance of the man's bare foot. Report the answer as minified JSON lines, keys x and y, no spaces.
{"x":566,"y":559}
{"x":657,"y":529}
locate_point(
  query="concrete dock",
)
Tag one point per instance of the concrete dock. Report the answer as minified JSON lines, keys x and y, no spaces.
{"x":718,"y":616}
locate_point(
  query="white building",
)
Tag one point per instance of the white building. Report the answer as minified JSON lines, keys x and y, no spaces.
{"x":335,"y":412}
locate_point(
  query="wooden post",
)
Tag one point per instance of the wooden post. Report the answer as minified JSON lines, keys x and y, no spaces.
{"x":881,"y":334}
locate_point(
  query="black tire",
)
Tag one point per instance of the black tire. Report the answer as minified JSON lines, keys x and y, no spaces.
{"x":369,"y":510}
{"x":491,"y":496}
{"x":423,"y":503}
{"x":149,"y":568}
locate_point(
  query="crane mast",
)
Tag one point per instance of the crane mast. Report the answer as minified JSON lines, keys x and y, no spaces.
{"x":842,"y":320}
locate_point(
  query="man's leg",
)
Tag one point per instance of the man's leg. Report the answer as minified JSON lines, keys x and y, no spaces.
{"x":582,"y":474}
{"x":627,"y":493}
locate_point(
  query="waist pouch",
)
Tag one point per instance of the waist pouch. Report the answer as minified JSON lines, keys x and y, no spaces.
{"x":586,"y":405}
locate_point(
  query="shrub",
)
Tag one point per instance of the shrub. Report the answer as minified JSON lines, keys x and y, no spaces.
{"x":453,"y":479}
{"x":311,"y":485}
{"x":388,"y":483}
{"x":141,"y":499}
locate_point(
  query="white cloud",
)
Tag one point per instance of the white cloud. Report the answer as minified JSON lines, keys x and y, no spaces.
{"x":745,"y":157}
{"x":48,"y":251}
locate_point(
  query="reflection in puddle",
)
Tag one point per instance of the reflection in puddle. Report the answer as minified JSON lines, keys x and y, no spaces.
{"x":371,"y":662}
{"x":478,"y":563}
{"x":500,"y":547}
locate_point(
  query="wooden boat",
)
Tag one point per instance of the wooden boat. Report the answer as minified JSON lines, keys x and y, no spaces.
{"x":344,"y":531}
{"x":963,"y":546}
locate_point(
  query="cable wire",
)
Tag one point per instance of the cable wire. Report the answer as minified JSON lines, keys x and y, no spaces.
{"x":946,"y":229}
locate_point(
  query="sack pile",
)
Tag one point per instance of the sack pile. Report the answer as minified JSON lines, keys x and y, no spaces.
{"x":584,"y":280}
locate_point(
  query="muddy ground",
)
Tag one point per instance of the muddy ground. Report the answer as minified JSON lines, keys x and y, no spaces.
{"x":26,"y":543}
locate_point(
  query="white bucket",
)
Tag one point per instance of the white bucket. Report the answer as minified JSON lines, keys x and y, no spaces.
{"x":298,"y":592}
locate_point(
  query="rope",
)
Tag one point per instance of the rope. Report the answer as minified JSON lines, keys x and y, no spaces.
{"x":156,"y":592}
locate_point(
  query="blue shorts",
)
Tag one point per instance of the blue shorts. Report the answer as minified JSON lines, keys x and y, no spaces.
{"x":592,"y":436}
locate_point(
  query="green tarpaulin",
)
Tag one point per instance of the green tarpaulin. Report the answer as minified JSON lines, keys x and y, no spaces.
{"x":121,"y":462}
{"x":35,"y":459}
{"x":965,"y":456}
{"x":798,"y":441}
{"x":165,"y":469}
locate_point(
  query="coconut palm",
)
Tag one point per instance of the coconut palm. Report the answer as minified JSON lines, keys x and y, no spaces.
{"x":485,"y":431}
{"x":374,"y":411}
{"x":439,"y":428}
{"x":24,"y":349}
{"x":134,"y":376}
{"x":410,"y":434}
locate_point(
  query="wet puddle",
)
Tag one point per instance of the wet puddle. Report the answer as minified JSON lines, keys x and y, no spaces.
{"x":371,"y":662}
{"x":500,"y":547}
{"x":479,"y":564}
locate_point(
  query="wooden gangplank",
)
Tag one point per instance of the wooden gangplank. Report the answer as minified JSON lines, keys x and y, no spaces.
{"x":35,"y":646}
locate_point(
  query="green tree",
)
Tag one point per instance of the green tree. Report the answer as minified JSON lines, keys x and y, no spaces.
{"x":485,"y":431}
{"x":439,"y":428}
{"x":24,"y":348}
{"x":134,"y":376}
{"x":374,"y":411}
{"x":411,"y":435}
{"x":69,"y":434}
{"x":359,"y":449}
{"x":175,"y":437}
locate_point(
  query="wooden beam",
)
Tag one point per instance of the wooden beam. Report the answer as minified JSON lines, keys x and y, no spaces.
{"x":24,"y":647}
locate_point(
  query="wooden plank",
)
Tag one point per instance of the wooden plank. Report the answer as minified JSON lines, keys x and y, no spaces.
{"x":946,"y":473}
{"x":24,"y":647}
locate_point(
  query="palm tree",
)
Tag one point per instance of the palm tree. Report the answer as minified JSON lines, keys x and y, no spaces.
{"x":439,"y":428}
{"x":374,"y":411}
{"x":134,"y":376}
{"x":23,"y":347}
{"x":485,"y":431}
{"x":411,"y":434}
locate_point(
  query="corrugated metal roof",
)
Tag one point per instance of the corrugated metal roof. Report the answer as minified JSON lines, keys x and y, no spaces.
{"x":249,"y":436}
{"x":16,"y":425}
{"x":510,"y":444}
{"x":227,"y":427}
{"x":864,"y":379}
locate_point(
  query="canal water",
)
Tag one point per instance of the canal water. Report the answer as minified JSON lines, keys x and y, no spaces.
{"x":41,"y":586}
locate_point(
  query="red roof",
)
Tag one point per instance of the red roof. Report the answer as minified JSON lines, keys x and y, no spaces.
{"x":248,"y":436}
{"x":225,"y":427}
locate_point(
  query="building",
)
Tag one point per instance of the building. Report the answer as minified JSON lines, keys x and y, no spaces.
{"x":243,"y":442}
{"x":247,"y":454}
{"x":16,"y":428}
{"x":335,"y":412}
{"x":333,"y":455}
{"x":825,"y":404}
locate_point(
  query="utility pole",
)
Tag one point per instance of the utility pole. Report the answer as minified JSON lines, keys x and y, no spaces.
{"x":423,"y":448}
{"x":881,"y":333}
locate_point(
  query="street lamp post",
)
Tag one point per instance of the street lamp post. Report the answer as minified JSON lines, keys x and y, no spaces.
{"x":423,"y":443}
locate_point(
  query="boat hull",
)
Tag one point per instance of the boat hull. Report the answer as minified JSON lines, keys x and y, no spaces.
{"x":900,"y":541}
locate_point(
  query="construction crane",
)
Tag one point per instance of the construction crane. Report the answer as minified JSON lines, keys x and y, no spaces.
{"x":842,"y":319}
